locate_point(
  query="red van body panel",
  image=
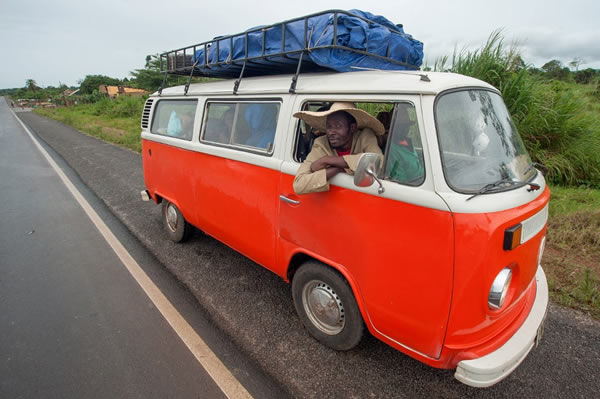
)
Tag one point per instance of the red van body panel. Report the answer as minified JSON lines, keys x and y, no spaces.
{"x":474,"y":329}
{"x":231,"y":201}
{"x":397,"y":257}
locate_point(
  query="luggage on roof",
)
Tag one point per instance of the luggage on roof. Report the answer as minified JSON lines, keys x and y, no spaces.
{"x":330,"y":40}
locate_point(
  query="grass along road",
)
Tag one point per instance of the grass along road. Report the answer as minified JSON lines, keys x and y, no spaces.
{"x":572,"y":256}
{"x":115,"y":121}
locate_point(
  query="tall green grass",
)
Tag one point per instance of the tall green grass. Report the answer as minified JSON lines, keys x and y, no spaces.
{"x":557,"y":122}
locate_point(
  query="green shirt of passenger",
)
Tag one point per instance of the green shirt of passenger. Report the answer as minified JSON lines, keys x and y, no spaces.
{"x":403,"y":164}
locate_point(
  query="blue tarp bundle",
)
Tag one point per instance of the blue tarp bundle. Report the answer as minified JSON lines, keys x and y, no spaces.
{"x":277,"y":48}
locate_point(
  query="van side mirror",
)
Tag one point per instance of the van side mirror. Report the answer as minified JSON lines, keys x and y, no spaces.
{"x":366,"y":172}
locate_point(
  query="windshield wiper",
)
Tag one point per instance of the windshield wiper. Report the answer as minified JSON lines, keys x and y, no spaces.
{"x":491,"y":187}
{"x":532,"y":165}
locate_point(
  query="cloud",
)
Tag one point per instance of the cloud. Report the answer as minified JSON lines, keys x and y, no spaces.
{"x":64,"y":40}
{"x":542,"y":45}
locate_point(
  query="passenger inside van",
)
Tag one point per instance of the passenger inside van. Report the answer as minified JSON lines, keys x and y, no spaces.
{"x":187,"y":125}
{"x":181,"y":125}
{"x":218,"y":129}
{"x":307,"y":139}
{"x":262,"y":123}
{"x":403,"y":165}
{"x":349,"y":133}
{"x":174,"y":126}
{"x":385,"y":117}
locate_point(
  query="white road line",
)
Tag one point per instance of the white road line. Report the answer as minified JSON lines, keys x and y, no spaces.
{"x":230,"y":386}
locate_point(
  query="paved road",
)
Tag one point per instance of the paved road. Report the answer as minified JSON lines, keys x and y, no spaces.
{"x":73,"y":321}
{"x":254,"y":307}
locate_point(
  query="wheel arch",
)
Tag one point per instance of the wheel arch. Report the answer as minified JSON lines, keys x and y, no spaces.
{"x":158,"y":199}
{"x":182,"y":229}
{"x":300,"y":257}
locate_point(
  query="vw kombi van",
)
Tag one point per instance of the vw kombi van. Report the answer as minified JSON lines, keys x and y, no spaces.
{"x":443,"y":265}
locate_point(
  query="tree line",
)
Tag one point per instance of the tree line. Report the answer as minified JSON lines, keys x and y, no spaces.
{"x":148,"y":78}
{"x":555,"y":69}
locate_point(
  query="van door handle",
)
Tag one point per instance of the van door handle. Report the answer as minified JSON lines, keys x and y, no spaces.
{"x":289,"y":200}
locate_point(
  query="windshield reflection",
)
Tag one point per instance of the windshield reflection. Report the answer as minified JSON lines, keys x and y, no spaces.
{"x":479,"y":143}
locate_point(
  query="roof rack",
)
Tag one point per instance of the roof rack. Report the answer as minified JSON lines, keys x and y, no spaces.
{"x":289,"y":47}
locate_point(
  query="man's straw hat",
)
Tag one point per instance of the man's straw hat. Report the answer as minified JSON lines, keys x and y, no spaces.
{"x":363,"y":119}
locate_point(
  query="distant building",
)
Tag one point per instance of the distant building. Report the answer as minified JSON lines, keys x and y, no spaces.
{"x":69,"y":92}
{"x":116,"y":91}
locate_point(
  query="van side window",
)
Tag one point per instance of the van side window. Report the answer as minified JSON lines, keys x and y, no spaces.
{"x":174,"y":118}
{"x":245,"y":124}
{"x":404,"y":155}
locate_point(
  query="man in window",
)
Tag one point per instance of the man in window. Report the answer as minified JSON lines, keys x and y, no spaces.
{"x":349,"y":133}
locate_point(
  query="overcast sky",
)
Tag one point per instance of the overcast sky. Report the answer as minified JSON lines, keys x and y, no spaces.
{"x":62,"y":41}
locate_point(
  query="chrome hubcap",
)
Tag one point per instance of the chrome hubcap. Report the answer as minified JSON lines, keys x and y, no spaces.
{"x":323,"y":307}
{"x":171,"y":218}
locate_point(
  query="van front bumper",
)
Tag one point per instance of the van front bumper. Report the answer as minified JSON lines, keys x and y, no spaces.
{"x":492,"y":368}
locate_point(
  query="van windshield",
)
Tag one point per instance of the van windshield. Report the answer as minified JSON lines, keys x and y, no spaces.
{"x":479,"y":143}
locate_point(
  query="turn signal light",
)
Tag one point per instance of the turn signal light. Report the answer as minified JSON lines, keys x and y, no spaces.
{"x":512,"y":237}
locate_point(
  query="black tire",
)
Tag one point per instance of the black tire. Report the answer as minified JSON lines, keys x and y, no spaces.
{"x":176,"y":227}
{"x":314,"y":285}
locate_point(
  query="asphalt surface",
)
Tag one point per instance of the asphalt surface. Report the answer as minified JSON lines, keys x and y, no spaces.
{"x":254,"y":309}
{"x":74,"y":322}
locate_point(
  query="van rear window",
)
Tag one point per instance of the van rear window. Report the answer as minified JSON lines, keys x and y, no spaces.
{"x":174,"y":118}
{"x":244,"y":124}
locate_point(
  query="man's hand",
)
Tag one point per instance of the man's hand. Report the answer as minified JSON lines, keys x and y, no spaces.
{"x":332,"y":171}
{"x":332,"y":164}
{"x":329,"y":161}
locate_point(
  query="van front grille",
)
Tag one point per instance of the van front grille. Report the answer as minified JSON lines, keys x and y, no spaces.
{"x":146,"y":113}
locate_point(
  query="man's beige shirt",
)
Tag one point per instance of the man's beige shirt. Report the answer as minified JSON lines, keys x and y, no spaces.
{"x":307,"y":181}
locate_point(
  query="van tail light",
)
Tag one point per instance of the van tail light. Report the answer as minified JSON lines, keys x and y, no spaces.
{"x":512,"y":237}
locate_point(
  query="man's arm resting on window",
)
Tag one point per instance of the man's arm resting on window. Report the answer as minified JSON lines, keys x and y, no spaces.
{"x":309,"y":179}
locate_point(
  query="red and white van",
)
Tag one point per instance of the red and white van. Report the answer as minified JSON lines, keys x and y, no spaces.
{"x":444,"y":266}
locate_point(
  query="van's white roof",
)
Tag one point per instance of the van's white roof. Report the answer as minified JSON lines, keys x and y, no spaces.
{"x":373,"y":82}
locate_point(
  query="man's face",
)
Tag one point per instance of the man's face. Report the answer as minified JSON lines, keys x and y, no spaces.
{"x":339,"y":132}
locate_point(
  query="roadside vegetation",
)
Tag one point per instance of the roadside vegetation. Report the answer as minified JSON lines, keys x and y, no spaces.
{"x":116,"y":121}
{"x":572,"y":256}
{"x":555,"y":108}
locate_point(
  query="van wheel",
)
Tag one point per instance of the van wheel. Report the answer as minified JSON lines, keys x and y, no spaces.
{"x":178,"y":230}
{"x":326,"y":306}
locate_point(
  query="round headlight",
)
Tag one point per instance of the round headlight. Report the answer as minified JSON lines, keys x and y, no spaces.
{"x":499,"y":288}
